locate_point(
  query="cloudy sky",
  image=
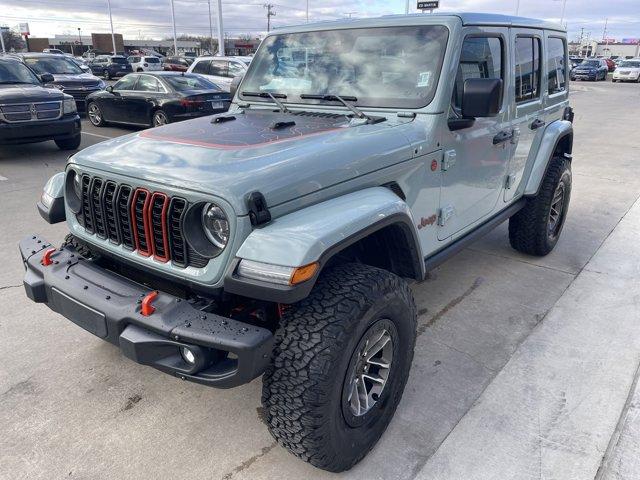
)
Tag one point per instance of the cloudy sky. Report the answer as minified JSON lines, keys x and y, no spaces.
{"x":152,"y":18}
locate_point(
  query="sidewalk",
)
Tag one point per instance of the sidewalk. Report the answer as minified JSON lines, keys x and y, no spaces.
{"x":566,"y":405}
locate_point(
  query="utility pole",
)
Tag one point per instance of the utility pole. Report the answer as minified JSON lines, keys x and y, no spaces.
{"x":517,"y":7}
{"x":270,"y":13}
{"x":604,"y":32}
{"x":175,"y":37}
{"x":307,"y":11}
{"x":210,"y":29}
{"x":113,"y":37}
{"x":581,"y":38}
{"x":2,"y":39}
{"x":220,"y":30}
{"x":564,"y":6}
{"x":406,"y":8}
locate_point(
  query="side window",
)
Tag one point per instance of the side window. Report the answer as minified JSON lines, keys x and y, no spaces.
{"x":481,"y":57}
{"x":219,"y":68}
{"x":556,"y":65}
{"x":235,"y":69}
{"x":128,"y":82}
{"x":147,"y":84}
{"x":527,"y":68}
{"x":202,"y":67}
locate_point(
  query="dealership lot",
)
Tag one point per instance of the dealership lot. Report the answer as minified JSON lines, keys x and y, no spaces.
{"x":72,"y":406}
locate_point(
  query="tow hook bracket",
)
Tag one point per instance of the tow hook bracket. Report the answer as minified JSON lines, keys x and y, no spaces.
{"x":46,"y":258}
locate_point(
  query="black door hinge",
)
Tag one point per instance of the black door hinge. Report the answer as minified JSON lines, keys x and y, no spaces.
{"x":259,"y":214}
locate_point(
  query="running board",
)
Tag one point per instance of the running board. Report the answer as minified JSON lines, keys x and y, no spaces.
{"x":443,"y":255}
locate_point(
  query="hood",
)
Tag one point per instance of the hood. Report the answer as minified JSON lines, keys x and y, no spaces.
{"x":84,"y":79}
{"x":28,"y":93}
{"x":284,"y":156}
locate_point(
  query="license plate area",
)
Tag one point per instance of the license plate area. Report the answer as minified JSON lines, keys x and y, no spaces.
{"x":217,"y":105}
{"x":82,"y":315}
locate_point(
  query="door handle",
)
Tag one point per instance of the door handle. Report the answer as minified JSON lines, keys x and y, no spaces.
{"x":502,"y":137}
{"x":537,"y":123}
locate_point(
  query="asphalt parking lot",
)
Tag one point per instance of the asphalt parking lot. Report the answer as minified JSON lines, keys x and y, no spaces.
{"x":71,"y":406}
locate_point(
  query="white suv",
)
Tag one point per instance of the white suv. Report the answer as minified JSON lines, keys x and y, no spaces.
{"x":220,"y":70}
{"x":145,"y":63}
{"x":627,"y":71}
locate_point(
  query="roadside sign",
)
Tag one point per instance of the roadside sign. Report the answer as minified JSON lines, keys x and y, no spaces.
{"x":428,"y":5}
{"x":24,"y":29}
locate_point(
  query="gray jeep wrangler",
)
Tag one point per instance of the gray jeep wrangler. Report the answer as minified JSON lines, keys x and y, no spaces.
{"x":279,"y":239}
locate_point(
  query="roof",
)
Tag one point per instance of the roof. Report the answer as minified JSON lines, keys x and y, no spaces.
{"x":467,"y":18}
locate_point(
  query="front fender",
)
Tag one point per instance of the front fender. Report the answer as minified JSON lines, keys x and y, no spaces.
{"x":51,"y":204}
{"x":316,"y":233}
{"x":553,"y":134}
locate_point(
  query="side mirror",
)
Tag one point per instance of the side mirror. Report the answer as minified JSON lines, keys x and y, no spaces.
{"x":481,"y":97}
{"x":46,"y":78}
{"x":85,"y":68}
{"x":235,"y":83}
{"x":109,"y":88}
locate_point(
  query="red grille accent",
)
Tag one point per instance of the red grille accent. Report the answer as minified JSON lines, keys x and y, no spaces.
{"x":140,"y":221}
{"x":158,"y":219}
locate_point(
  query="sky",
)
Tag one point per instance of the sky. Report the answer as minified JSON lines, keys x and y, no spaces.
{"x":151,"y":19}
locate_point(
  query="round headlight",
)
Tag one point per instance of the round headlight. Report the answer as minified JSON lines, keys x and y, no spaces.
{"x":216,"y":225}
{"x":77,"y":185}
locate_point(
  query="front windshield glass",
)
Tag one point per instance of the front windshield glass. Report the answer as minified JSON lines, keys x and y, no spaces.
{"x":182,"y":83}
{"x":16,"y":72}
{"x":591,"y":63}
{"x":394,"y":67}
{"x":630,"y":64}
{"x":55,"y":65}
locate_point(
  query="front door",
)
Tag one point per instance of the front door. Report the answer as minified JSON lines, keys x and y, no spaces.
{"x":528,"y":112}
{"x":115,"y":108}
{"x":475,"y":157}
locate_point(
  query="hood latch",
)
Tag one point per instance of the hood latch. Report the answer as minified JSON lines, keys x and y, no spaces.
{"x":259,"y":214}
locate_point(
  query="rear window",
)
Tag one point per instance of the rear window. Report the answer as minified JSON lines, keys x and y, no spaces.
{"x":182,"y":83}
{"x":151,"y":59}
{"x":118,"y":60}
{"x":202,"y":67}
{"x":556,"y":65}
{"x":527,"y":68}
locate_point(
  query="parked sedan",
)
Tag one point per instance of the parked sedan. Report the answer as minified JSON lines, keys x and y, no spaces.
{"x":177,"y":64}
{"x":110,"y":66}
{"x":627,"y":71}
{"x":156,"y":98}
{"x":591,"y":69}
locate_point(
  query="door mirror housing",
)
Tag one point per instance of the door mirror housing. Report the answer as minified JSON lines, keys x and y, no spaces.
{"x":46,"y":78}
{"x":481,"y":97}
{"x":235,"y":83}
{"x":109,"y":88}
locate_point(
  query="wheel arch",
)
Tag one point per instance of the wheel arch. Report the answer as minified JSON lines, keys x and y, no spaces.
{"x":378,"y":231}
{"x":557,"y":141}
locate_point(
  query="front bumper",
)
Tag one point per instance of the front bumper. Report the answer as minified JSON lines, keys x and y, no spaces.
{"x":31,"y":132}
{"x":228,"y":352}
{"x":626,"y":78}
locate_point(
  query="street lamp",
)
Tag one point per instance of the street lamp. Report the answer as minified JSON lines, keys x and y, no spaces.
{"x":80,"y":40}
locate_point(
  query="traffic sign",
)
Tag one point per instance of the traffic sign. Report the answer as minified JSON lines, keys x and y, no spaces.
{"x":428,"y":5}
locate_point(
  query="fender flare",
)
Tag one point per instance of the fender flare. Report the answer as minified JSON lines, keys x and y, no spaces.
{"x":553,"y":135}
{"x":316,"y":234}
{"x":51,"y":204}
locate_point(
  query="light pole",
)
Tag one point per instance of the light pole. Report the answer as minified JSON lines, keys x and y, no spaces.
{"x":307,"y":11}
{"x":406,"y":9}
{"x":210,"y":29}
{"x":113,"y":37}
{"x":173,"y":22}
{"x":517,"y":7}
{"x":2,"y":39}
{"x":564,"y":6}
{"x":220,"y":30}
{"x":80,"y":40}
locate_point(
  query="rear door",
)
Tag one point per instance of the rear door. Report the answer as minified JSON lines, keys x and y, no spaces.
{"x":528,"y":104}
{"x":476,"y":157}
{"x":220,"y":74}
{"x":139,"y":102}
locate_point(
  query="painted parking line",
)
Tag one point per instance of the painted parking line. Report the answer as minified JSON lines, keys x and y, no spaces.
{"x":2,"y":179}
{"x":97,"y":135}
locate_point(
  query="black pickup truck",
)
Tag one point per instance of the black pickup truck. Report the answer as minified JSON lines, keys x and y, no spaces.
{"x":30,"y":112}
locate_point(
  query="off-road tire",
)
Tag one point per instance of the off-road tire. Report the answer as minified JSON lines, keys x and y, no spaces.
{"x":69,"y":143}
{"x":529,"y":228}
{"x":79,"y":246}
{"x":106,"y":75}
{"x":304,"y":386}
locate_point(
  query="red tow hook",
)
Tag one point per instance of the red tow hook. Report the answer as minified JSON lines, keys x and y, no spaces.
{"x":46,"y":258}
{"x":147,"y":309}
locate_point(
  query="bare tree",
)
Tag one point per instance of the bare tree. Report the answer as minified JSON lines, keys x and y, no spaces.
{"x":12,"y":41}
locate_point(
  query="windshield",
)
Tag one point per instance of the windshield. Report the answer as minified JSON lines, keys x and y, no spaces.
{"x":181,"y":83}
{"x":591,"y":63}
{"x":630,"y":64}
{"x":53,"y":65}
{"x":381,"y":67}
{"x":16,"y":72}
{"x":118,"y":60}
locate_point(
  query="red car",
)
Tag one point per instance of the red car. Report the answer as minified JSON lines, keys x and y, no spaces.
{"x":610,"y":64}
{"x":177,"y":64}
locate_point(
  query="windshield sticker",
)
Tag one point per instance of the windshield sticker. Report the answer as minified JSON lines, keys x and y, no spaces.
{"x":424,"y":79}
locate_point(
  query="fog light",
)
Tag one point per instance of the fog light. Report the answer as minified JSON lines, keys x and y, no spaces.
{"x":188,"y":355}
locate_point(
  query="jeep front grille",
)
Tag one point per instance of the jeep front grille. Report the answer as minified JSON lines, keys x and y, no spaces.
{"x":149,"y":223}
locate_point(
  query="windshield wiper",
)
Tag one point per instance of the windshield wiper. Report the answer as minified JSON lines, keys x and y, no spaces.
{"x":343,"y":100}
{"x":273,"y":96}
{"x":15,"y":82}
